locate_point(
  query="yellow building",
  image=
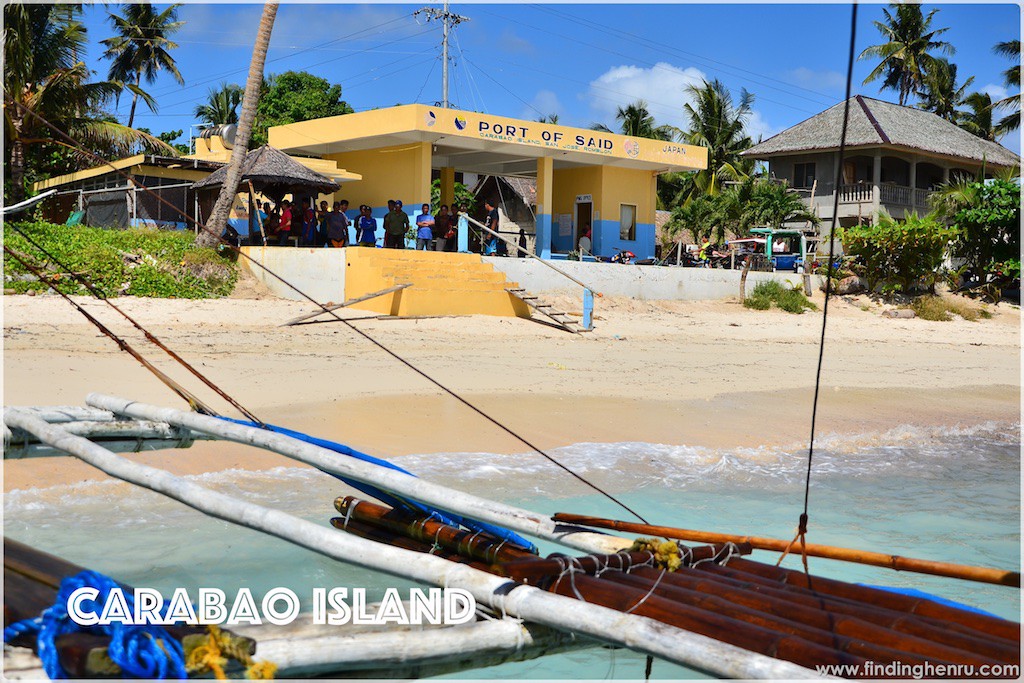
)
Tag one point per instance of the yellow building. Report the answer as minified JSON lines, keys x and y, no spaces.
{"x":583,"y":177}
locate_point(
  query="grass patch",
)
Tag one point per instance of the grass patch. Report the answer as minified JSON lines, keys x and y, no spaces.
{"x":137,"y":262}
{"x":942,"y":309}
{"x":771,"y":292}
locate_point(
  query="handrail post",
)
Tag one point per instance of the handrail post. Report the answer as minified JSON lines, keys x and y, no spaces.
{"x":588,"y":309}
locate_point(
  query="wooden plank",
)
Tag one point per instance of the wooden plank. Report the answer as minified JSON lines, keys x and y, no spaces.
{"x":358,"y":299}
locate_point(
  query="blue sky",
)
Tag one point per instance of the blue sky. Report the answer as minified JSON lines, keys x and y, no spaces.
{"x":579,"y":61}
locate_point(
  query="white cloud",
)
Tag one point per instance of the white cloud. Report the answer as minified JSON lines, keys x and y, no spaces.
{"x":997,"y":92}
{"x":662,"y":86}
{"x":546,"y":102}
{"x":758,"y":128}
{"x":510,"y":42}
{"x":809,"y":78}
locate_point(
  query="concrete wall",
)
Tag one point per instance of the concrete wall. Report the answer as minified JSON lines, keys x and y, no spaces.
{"x":638,"y":282}
{"x":320,"y":273}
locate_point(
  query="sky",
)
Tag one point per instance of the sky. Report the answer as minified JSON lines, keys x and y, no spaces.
{"x":578,"y":61}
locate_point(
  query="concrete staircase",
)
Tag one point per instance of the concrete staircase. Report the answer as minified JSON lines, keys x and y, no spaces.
{"x":442,"y":283}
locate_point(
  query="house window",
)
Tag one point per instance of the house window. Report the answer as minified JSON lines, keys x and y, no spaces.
{"x":803,"y":175}
{"x":627,"y":222}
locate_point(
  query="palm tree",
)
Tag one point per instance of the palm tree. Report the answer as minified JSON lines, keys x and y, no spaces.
{"x":979,"y":120}
{"x":905,"y":56}
{"x":636,"y":121}
{"x":940,"y":95}
{"x":45,"y":82}
{"x":769,"y":203}
{"x":549,"y":118}
{"x":140,"y":50}
{"x":1011,"y":121}
{"x":253,"y":85}
{"x":719,"y":125}
{"x":221,"y":105}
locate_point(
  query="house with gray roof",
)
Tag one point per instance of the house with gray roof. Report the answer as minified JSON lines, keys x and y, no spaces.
{"x":895,"y":157}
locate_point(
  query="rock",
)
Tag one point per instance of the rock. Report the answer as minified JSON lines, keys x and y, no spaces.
{"x":31,"y":292}
{"x":899,"y":313}
{"x":9,"y":292}
{"x":850,"y":285}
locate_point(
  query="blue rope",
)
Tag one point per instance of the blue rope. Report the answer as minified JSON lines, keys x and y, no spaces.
{"x":142,"y":651}
{"x":444,"y":516}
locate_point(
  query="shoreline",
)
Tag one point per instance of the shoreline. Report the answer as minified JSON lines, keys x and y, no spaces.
{"x":706,"y":374}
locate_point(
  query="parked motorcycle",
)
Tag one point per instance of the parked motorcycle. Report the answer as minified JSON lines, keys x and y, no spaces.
{"x":621,"y":256}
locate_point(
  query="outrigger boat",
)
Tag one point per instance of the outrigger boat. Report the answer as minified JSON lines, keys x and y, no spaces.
{"x":703,"y":604}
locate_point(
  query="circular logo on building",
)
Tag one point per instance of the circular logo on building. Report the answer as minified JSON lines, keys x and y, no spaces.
{"x":632,"y":148}
{"x":431,"y":118}
{"x":460,"y":122}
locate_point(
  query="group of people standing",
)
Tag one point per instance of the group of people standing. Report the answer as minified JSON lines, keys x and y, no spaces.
{"x":323,"y":227}
{"x":434,"y":232}
{"x":329,"y":227}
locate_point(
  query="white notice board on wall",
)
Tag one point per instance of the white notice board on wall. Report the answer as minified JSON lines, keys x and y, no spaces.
{"x":564,"y":224}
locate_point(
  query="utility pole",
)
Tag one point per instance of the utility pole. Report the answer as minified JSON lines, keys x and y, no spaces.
{"x":448,"y":21}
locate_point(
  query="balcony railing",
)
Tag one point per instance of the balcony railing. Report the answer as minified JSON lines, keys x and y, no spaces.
{"x":888,"y":194}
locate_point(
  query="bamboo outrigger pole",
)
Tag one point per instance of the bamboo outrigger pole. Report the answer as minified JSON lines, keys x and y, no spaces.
{"x":526,"y":602}
{"x":909,"y":564}
{"x":405,"y":485}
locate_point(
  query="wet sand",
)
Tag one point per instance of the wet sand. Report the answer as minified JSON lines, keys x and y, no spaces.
{"x":695,"y":373}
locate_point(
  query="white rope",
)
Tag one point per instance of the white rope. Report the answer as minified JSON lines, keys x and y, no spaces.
{"x":649,"y":593}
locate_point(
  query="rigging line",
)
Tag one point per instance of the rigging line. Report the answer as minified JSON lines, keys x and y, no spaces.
{"x":190,"y":398}
{"x":149,"y":336}
{"x":802,"y":528}
{"x":347,"y":323}
{"x":663,"y":46}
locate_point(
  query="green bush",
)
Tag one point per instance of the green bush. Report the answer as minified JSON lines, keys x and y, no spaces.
{"x":772,"y":292}
{"x":900,"y":255}
{"x":139,"y":262}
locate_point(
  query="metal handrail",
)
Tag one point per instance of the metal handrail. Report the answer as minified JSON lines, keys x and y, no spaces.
{"x":532,"y":255}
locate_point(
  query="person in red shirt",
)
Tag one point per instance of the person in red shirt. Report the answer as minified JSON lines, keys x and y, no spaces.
{"x":285,"y":230}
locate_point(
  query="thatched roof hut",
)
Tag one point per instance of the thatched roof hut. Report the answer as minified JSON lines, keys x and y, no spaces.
{"x":274,"y":174}
{"x":875,"y":123}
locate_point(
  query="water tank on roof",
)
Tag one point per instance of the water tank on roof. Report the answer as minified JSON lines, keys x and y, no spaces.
{"x":226,"y":132}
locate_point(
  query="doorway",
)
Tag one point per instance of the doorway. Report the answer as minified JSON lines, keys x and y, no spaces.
{"x":584,"y":220}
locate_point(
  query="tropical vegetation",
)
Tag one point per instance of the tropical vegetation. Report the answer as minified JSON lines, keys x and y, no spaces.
{"x":295,"y":96}
{"x":770,"y":292}
{"x":1011,"y":122}
{"x":141,"y":49}
{"x":154,"y":263}
{"x":906,"y":55}
{"x":636,"y":121}
{"x":898,"y":255}
{"x":48,"y":94}
{"x":221,"y":106}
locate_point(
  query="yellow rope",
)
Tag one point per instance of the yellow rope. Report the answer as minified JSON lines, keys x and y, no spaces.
{"x":214,"y":655}
{"x":666,"y":553}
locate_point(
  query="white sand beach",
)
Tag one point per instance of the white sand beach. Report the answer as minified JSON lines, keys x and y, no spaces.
{"x":695,"y":373}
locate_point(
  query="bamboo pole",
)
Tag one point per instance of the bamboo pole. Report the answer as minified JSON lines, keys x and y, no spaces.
{"x":405,"y":485}
{"x":897,"y":562}
{"x":839,"y":608}
{"x":643,"y":635}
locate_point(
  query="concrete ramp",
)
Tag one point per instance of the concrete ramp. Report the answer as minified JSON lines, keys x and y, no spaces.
{"x":442,"y":283}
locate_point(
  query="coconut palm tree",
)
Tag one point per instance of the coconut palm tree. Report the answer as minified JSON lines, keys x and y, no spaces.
{"x":940,"y":94}
{"x":1011,"y":121}
{"x":141,"y":49}
{"x":765,"y":202}
{"x":636,"y":120}
{"x":221,"y":105}
{"x":45,"y":82}
{"x":717,"y":123}
{"x":549,"y":118}
{"x":979,"y":119}
{"x":253,"y":85}
{"x":906,"y":54}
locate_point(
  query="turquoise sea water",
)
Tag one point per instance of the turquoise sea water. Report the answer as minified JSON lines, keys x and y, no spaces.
{"x":950,"y":495}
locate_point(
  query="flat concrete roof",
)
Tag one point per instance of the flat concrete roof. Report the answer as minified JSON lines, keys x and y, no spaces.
{"x":483,"y":143}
